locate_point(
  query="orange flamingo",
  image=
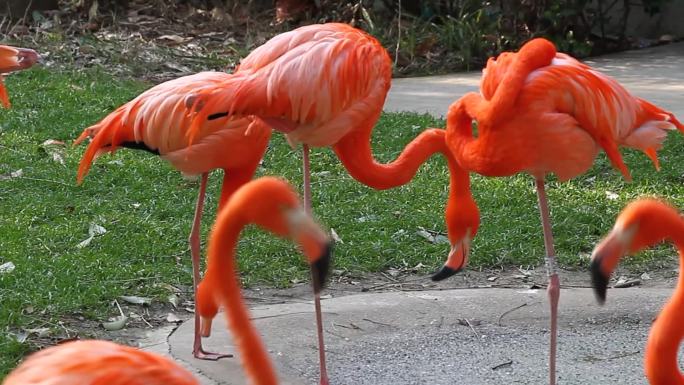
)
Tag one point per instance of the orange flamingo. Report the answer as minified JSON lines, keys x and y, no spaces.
{"x":544,"y":112}
{"x":641,"y":224}
{"x":157,"y":121}
{"x":325,"y":85}
{"x":13,"y":59}
{"x":271,"y":204}
{"x":97,"y":362}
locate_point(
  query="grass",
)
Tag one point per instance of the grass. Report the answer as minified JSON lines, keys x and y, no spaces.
{"x":146,"y":208}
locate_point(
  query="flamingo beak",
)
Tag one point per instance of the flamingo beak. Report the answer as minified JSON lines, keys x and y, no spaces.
{"x":605,"y":257}
{"x":456,"y":261}
{"x":314,"y":243}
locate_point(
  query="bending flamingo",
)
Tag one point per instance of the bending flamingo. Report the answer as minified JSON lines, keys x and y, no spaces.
{"x":13,"y":59}
{"x":641,"y":224}
{"x":97,"y":362}
{"x":544,"y":112}
{"x":325,"y":85}
{"x":271,"y":204}
{"x":157,"y":121}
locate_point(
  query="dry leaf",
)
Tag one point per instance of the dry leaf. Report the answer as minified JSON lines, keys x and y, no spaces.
{"x":611,"y":195}
{"x":118,"y":323}
{"x":174,"y":300}
{"x":7,"y":267}
{"x":14,"y":174}
{"x":136,"y":300}
{"x":55,"y":149}
{"x":172,"y":318}
{"x":335,"y":237}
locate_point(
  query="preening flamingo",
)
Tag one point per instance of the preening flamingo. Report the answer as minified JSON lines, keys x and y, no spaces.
{"x":157,"y":121}
{"x":325,"y":85}
{"x":541,"y":112}
{"x":641,"y":224}
{"x":13,"y":59}
{"x":92,"y":362}
{"x":271,"y":204}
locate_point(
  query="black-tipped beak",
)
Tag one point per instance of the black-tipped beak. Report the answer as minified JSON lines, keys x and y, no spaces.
{"x":321,"y":268}
{"x":444,"y":272}
{"x":599,"y":281}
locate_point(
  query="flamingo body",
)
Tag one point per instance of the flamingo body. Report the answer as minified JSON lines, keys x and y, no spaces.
{"x":641,"y":224}
{"x":157,"y":120}
{"x":560,"y":116}
{"x":92,"y":362}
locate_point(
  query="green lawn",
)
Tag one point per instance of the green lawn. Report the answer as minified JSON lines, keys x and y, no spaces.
{"x":146,"y":208}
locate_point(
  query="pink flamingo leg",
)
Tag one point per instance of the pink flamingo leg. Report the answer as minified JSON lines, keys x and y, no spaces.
{"x":553,"y":288}
{"x":194,"y":240}
{"x":317,"y":296}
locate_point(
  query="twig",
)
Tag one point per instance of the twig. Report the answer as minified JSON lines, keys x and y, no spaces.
{"x":505,"y":364}
{"x":145,"y":321}
{"x":473,"y":329}
{"x":510,"y":311}
{"x":47,"y":180}
{"x":377,"y":323}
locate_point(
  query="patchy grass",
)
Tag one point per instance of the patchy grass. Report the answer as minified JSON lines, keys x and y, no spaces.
{"x":146,"y":208}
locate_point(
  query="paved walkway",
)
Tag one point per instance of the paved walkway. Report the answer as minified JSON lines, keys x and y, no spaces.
{"x":463,"y":336}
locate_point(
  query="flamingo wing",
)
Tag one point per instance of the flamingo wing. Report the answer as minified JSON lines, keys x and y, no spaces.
{"x":316,"y":83}
{"x":157,"y":120}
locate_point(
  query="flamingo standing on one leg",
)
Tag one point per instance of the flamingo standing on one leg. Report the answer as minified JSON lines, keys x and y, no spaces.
{"x":271,"y":204}
{"x":13,"y":59}
{"x":641,"y":224}
{"x":325,"y":85}
{"x":157,"y":121}
{"x":544,"y":112}
{"x":97,"y":362}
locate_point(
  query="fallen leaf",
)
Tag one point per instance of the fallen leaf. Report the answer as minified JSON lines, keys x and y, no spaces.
{"x":335,"y":237}
{"x":55,"y":149}
{"x":39,"y":332}
{"x":174,"y":300}
{"x":492,"y":279}
{"x":93,"y":231}
{"x":118,"y":323}
{"x":645,"y":276}
{"x":611,"y":195}
{"x":7,"y":267}
{"x":136,"y":300}
{"x":175,"y":38}
{"x":172,"y":318}
{"x":19,"y":337}
{"x":12,"y":175}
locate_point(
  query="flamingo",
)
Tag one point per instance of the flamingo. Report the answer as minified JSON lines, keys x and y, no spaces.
{"x":641,"y":224}
{"x":97,"y":362}
{"x":271,"y":204}
{"x":541,"y":112}
{"x":156,"y":121}
{"x":325,"y":85}
{"x":13,"y":59}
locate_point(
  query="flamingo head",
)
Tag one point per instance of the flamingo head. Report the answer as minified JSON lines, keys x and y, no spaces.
{"x":271,"y":204}
{"x":463,"y":220}
{"x":14,"y":59}
{"x":641,"y":223}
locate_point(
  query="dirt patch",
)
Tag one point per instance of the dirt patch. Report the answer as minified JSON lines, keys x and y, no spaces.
{"x":149,"y":325}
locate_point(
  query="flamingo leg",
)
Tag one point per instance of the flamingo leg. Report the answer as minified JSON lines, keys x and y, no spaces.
{"x":317,"y":296}
{"x":553,"y":288}
{"x":194,"y":240}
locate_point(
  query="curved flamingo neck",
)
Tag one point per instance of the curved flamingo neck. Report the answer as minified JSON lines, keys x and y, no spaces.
{"x":662,"y":367}
{"x":355,"y":153}
{"x":222,"y":274}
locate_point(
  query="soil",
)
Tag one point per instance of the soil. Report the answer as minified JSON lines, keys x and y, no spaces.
{"x":146,"y":321}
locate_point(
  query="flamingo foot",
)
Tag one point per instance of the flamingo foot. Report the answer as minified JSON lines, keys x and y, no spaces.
{"x":201,"y":354}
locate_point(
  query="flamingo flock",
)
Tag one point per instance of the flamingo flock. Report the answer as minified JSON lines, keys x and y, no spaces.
{"x":538,"y":111}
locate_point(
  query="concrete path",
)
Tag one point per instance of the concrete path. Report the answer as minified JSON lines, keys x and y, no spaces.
{"x":655,"y":74}
{"x":463,"y":336}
